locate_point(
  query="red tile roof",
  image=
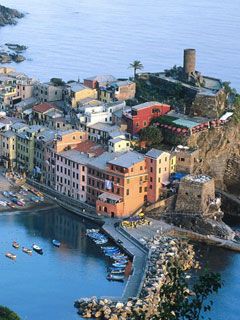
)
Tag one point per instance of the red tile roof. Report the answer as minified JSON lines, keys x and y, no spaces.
{"x":44,"y":107}
{"x":90,"y":147}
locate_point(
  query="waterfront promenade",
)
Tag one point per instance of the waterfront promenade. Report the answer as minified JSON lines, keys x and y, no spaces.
{"x":135,"y":250}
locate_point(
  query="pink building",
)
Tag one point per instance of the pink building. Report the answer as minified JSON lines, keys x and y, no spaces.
{"x":158,"y":166}
{"x":71,"y":174}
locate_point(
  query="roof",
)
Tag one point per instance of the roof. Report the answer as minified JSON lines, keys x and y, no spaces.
{"x":102,"y":78}
{"x":116,"y":140}
{"x":186,"y":123}
{"x":77,"y":86}
{"x":127,"y":159}
{"x":65,"y":132}
{"x":90,"y":147}
{"x":46,"y":135}
{"x":104,"y":127}
{"x":146,"y":105}
{"x":155,"y":153}
{"x":18,"y":126}
{"x":122,"y":83}
{"x":76,"y":156}
{"x":43,"y":107}
{"x":8,"y":134}
{"x":101,"y":161}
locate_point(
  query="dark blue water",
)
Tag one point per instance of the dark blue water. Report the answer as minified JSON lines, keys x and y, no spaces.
{"x":45,"y":287}
{"x":79,"y":38}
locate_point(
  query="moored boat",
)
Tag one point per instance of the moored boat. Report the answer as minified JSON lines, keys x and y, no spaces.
{"x":120,"y":271}
{"x":10,"y":255}
{"x":15,"y":245}
{"x":56,"y":243}
{"x":120,"y":265}
{"x":37,"y":249}
{"x":26,"y":250}
{"x":113,"y":277}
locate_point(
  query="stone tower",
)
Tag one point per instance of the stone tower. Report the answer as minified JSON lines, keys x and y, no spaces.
{"x":189,"y":61}
{"x":195,"y":195}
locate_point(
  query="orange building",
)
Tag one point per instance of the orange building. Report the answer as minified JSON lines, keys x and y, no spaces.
{"x":117,"y":183}
{"x":69,"y":139}
{"x":158,"y":165}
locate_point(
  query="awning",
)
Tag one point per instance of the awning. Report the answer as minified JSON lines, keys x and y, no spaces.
{"x":226,"y":116}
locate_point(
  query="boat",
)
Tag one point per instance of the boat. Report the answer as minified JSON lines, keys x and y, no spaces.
{"x":37,"y":249}
{"x":3,"y":203}
{"x":121,"y":261}
{"x":102,"y":241}
{"x":15,"y":245}
{"x":113,"y":277}
{"x":26,"y":250}
{"x":11,"y":205}
{"x":119,"y":257}
{"x":116,"y":268}
{"x":120,"y":265}
{"x":120,"y":271}
{"x":56,"y":243}
{"x":6,"y":194}
{"x":109,"y":248}
{"x":10,"y":255}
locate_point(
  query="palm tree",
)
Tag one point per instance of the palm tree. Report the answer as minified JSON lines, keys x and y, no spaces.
{"x":136,"y":65}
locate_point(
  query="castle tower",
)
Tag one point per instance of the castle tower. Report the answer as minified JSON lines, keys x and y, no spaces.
{"x":189,"y":61}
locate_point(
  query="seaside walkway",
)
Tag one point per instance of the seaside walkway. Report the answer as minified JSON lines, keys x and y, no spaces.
{"x":135,"y":249}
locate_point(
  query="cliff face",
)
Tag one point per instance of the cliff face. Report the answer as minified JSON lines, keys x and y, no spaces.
{"x":220,"y":155}
{"x":9,"y":16}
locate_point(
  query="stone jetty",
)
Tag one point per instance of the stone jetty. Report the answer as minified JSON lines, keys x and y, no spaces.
{"x":162,"y":250}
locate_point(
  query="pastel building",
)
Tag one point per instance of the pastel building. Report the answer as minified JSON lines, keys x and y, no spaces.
{"x":8,"y":149}
{"x":141,"y":115}
{"x":114,"y":180}
{"x":118,"y":145}
{"x":76,"y":91}
{"x":48,"y":92}
{"x":71,"y":174}
{"x":159,"y":168}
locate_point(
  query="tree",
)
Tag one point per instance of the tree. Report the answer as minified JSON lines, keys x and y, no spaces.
{"x":152,"y":136}
{"x":57,"y":82}
{"x":7,"y":314}
{"x":136,"y":65}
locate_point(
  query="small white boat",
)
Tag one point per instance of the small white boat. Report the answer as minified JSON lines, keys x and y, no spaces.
{"x":37,"y":249}
{"x":10,"y":255}
{"x":26,"y":250}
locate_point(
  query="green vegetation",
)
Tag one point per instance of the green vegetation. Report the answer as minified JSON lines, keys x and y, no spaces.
{"x":57,"y":82}
{"x":236,"y":113}
{"x":7,"y":314}
{"x":152,"y":136}
{"x":136,"y":65}
{"x":175,"y":72}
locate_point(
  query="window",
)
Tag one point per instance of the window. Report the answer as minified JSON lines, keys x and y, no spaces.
{"x":159,"y":170}
{"x":144,"y":123}
{"x":83,"y":168}
{"x":128,"y":181}
{"x":159,"y":161}
{"x":83,"y":178}
{"x":137,"y":124}
{"x":150,"y":186}
{"x":83,"y":188}
{"x":159,"y":179}
{"x":151,"y":180}
{"x":182,"y":159}
{"x":127,"y":192}
{"x":141,"y":167}
{"x":151,"y":169}
{"x":140,"y":190}
{"x":165,"y":158}
{"x":145,"y":189}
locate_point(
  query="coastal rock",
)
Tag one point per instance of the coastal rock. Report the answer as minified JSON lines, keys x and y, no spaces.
{"x":9,"y":16}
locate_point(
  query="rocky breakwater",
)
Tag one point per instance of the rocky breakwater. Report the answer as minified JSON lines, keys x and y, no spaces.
{"x":12,"y":52}
{"x":163,"y":250}
{"x":9,"y":16}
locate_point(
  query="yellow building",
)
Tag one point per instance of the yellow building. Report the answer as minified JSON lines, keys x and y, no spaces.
{"x":78,"y":92}
{"x":118,"y":145}
{"x":173,"y":161}
{"x":8,"y":149}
